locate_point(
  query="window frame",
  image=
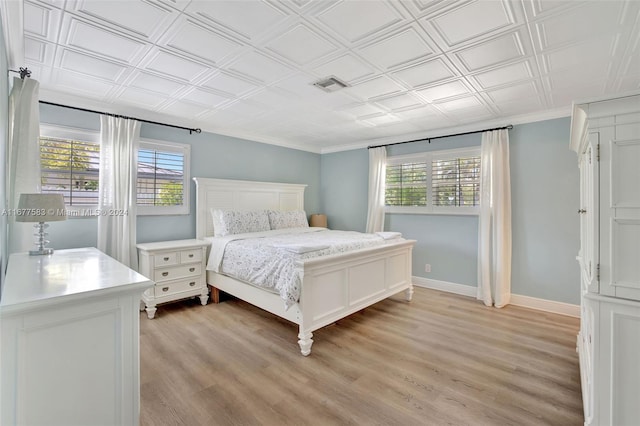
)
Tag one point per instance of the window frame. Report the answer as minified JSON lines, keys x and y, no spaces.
{"x":73,"y":133}
{"x":428,"y":157}
{"x":165,"y":146}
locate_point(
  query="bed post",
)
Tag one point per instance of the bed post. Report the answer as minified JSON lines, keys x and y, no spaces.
{"x":305,"y":341}
{"x":408,"y":293}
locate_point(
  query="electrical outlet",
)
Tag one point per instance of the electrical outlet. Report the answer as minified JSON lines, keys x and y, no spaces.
{"x":427,"y":267}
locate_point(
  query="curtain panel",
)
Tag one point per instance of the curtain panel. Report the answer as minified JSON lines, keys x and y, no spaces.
{"x":23,"y":156}
{"x":119,"y":139}
{"x":377,"y":172}
{"x":494,"y":239}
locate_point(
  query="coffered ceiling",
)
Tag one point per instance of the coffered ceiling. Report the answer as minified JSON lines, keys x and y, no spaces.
{"x":246,"y":68}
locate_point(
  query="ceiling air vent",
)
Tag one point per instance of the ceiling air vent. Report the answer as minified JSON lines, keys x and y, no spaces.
{"x":330,"y":84}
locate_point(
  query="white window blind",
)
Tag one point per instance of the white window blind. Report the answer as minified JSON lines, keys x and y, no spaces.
{"x":163,"y":178}
{"x":70,"y":167}
{"x":446,"y":181}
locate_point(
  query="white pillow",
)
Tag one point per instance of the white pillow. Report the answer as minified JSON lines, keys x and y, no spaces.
{"x":289,"y":219}
{"x":229,"y":222}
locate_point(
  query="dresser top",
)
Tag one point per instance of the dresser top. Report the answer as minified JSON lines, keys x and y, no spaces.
{"x":36,"y":281}
{"x":172,"y":245}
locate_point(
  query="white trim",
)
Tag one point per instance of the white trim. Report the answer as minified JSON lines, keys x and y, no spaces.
{"x":516,"y":299}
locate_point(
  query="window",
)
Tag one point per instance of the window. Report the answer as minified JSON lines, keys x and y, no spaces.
{"x":69,"y":162}
{"x":70,"y":165}
{"x":163,"y":178}
{"x":434,"y":182}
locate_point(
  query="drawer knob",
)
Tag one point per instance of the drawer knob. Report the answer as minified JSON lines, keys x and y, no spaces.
{"x":192,"y":283}
{"x":166,"y":259}
{"x":164,"y":274}
{"x":190,"y":254}
{"x":165,"y":288}
{"x":192,"y":269}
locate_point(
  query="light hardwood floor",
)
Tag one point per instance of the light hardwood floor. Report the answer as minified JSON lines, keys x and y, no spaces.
{"x":441,"y":359}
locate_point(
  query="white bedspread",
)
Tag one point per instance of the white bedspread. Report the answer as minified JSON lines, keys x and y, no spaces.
{"x":268,"y":259}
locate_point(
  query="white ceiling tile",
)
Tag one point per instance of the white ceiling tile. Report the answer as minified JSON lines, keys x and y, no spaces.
{"x":38,"y":51}
{"x":396,"y":49}
{"x":41,"y":21}
{"x":362,"y":110}
{"x":301,"y":45}
{"x":505,"y":75}
{"x":81,"y":84}
{"x":141,"y":97}
{"x":354,"y":20}
{"x":475,"y":19}
{"x":458,"y":104}
{"x":406,"y":100}
{"x":153,"y":83}
{"x":443,"y":91}
{"x":596,"y":52}
{"x":194,"y":39}
{"x":89,"y":65}
{"x":247,"y":109}
{"x":513,"y":93}
{"x":567,"y":78}
{"x":100,"y":41}
{"x":229,"y":84}
{"x":564,"y":27}
{"x":172,"y":65}
{"x":347,"y":68}
{"x":245,"y":18}
{"x":422,"y":112}
{"x":424,"y":73}
{"x":145,"y":19}
{"x":381,"y":120}
{"x":204,"y":97}
{"x":523,"y":106}
{"x":260,"y":67}
{"x":273,"y":97}
{"x":185,"y":108}
{"x":492,"y":52}
{"x":377,"y":87}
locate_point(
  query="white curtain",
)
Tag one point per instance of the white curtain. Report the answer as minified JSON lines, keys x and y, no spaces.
{"x":377,"y":172}
{"x":117,"y":189}
{"x":494,"y":240}
{"x":23,"y":156}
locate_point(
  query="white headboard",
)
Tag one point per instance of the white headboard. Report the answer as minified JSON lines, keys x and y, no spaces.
{"x":242,"y":195}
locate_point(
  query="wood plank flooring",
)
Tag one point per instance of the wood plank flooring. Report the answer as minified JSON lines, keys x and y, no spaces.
{"x":441,"y":359}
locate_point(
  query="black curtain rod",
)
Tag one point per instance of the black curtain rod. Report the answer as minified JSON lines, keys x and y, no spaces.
{"x":123,"y":116}
{"x":509,"y":127}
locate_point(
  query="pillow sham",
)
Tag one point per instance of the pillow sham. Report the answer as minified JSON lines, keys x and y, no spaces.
{"x":288,"y":219}
{"x":230,"y":222}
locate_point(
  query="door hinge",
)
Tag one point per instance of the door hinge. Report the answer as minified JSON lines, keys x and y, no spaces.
{"x":598,"y":272}
{"x":598,"y":152}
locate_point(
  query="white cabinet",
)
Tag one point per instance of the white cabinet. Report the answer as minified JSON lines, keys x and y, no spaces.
{"x":70,"y":340}
{"x":178,"y":269}
{"x":606,"y":136}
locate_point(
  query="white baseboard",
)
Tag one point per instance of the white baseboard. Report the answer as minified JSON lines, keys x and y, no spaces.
{"x":516,"y":299}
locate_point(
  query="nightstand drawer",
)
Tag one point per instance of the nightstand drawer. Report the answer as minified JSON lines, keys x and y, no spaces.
{"x":165,"y":259}
{"x":175,"y":272}
{"x":187,"y":256}
{"x":175,"y":287}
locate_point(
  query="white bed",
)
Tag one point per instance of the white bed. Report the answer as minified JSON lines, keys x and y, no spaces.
{"x":333,"y":286}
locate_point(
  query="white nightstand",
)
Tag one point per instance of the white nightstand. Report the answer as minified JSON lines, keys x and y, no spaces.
{"x":178,"y":269}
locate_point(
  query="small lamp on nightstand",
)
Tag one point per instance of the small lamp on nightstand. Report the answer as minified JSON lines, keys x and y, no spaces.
{"x":41,"y":208}
{"x":319,"y":220}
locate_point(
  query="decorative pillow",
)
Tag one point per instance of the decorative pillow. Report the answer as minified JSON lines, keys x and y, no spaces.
{"x":290,"y":219}
{"x":229,"y":222}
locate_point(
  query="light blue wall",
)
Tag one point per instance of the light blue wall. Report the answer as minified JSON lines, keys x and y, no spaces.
{"x":212,"y":156}
{"x":4,"y":129}
{"x":545,"y":197}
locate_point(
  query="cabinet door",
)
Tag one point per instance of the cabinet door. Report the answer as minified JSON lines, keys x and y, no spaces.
{"x":620,"y":210}
{"x":589,"y":214}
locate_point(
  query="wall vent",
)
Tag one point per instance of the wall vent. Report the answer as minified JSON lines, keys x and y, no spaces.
{"x":330,"y":84}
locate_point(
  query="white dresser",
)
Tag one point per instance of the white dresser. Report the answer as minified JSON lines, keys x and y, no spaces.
{"x":606,"y":136}
{"x":70,"y":340}
{"x":178,"y":269}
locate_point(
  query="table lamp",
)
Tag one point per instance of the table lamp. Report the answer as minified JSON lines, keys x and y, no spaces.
{"x":40,"y":208}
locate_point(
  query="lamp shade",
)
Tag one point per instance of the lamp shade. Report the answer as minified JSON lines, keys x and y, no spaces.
{"x":40,"y":208}
{"x":319,"y":220}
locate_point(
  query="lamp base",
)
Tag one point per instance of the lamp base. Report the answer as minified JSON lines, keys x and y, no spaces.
{"x":41,"y":252}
